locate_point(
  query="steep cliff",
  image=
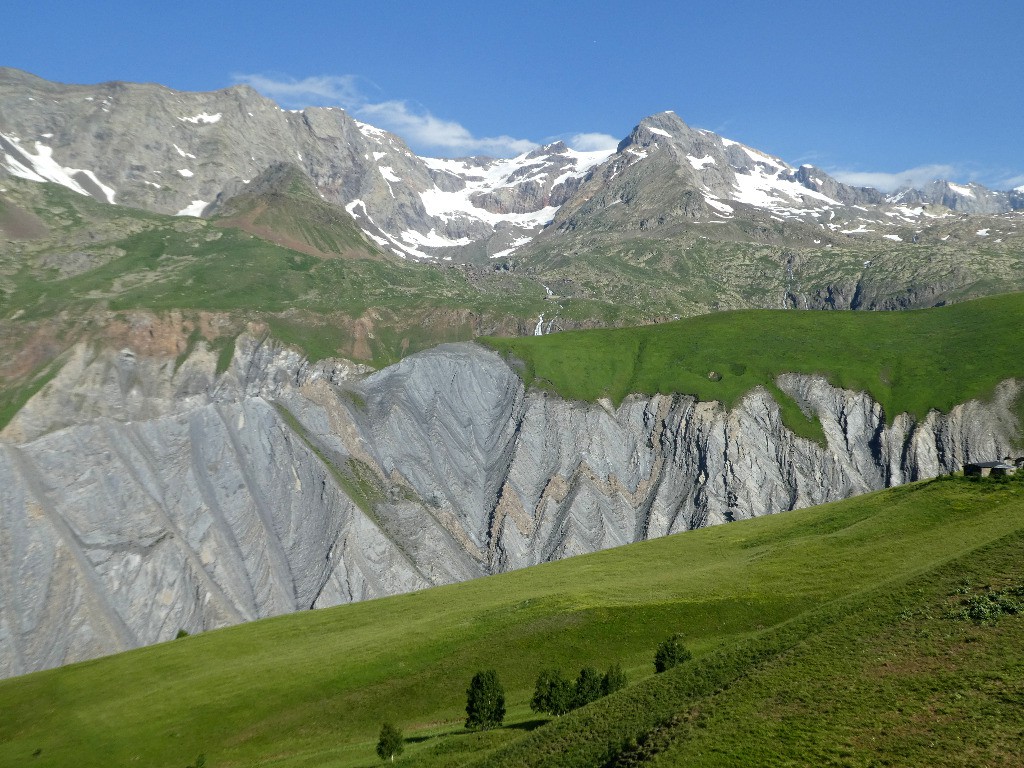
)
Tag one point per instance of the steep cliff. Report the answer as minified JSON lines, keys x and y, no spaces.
{"x":139,"y":497}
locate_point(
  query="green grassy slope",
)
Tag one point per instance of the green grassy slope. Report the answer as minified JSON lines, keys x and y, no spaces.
{"x":750,"y":598}
{"x":892,"y":675}
{"x":908,"y":361}
{"x":688,"y":268}
{"x":283,"y":206}
{"x":309,"y":274}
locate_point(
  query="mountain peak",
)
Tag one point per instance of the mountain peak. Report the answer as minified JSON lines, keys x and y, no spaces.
{"x":555,"y":148}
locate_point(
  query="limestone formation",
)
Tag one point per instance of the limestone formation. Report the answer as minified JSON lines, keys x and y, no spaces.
{"x":139,"y":498}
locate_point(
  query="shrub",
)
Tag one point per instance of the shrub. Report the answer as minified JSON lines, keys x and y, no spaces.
{"x":987,"y":608}
{"x":671,"y":653}
{"x":613,"y":680}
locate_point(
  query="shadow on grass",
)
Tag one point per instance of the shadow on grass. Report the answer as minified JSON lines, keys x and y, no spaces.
{"x":526,"y":725}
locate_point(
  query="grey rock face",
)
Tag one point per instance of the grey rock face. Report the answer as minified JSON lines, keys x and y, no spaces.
{"x":137,"y":499}
{"x":176,"y":152}
{"x":147,"y":146}
{"x":963,"y":198}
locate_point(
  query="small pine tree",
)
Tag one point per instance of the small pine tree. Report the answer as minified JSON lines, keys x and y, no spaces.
{"x":552,"y":694}
{"x":671,"y":653}
{"x":390,"y":743}
{"x":485,"y":701}
{"x":613,"y":680}
{"x":588,"y":687}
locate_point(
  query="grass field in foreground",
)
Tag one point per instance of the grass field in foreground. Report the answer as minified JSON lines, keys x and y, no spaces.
{"x":311,"y":689}
{"x":909,"y":361}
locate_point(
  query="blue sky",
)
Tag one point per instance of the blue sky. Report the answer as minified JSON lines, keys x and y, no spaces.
{"x":876,"y":92}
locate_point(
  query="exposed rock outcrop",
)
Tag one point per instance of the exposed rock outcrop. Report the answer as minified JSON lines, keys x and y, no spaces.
{"x":138,"y":498}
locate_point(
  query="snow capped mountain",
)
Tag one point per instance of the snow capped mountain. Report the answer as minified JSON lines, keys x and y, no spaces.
{"x":188,"y":153}
{"x":668,"y":174}
{"x":502,"y":203}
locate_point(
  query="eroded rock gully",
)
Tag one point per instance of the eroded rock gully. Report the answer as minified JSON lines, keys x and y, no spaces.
{"x":138,"y":498}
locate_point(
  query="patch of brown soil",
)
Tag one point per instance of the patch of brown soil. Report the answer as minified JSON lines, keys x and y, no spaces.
{"x":25,"y":348}
{"x":18,"y":224}
{"x":164,"y":335}
{"x":362,"y":332}
{"x":247,"y":223}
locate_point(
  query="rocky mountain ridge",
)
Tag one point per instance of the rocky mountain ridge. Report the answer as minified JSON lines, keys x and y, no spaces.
{"x":143,"y":494}
{"x":190,"y":152}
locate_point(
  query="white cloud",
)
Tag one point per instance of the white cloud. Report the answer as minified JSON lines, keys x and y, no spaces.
{"x":1014,"y":182}
{"x":889,"y":182}
{"x":422,"y":130}
{"x":593,"y":142}
{"x":335,"y":90}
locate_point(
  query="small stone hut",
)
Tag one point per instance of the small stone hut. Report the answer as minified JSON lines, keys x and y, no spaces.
{"x":1005,"y":467}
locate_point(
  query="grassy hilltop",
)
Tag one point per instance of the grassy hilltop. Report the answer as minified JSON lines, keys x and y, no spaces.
{"x":826,"y":635}
{"x":909,"y":361}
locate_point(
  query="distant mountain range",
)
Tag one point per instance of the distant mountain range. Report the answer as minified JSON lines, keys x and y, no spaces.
{"x":150,"y":147}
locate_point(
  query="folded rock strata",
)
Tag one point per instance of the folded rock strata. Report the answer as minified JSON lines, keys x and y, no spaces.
{"x":139,"y":497}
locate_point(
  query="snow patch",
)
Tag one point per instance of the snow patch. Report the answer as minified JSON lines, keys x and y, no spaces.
{"x":185,"y":173}
{"x":659,"y":132}
{"x":960,"y":189}
{"x":368,"y":130}
{"x":203,"y":118}
{"x":195,"y":208}
{"x":767,"y":190}
{"x":453,"y":205}
{"x":698,"y":163}
{"x":487,"y":176}
{"x":587,"y":160}
{"x":182,"y":152}
{"x":432,"y":239}
{"x":518,"y":243}
{"x":41,"y":166}
{"x":982,"y":232}
{"x":761,"y":157}
{"x":477,"y":176}
{"x":894,"y":238}
{"x":718,"y":205}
